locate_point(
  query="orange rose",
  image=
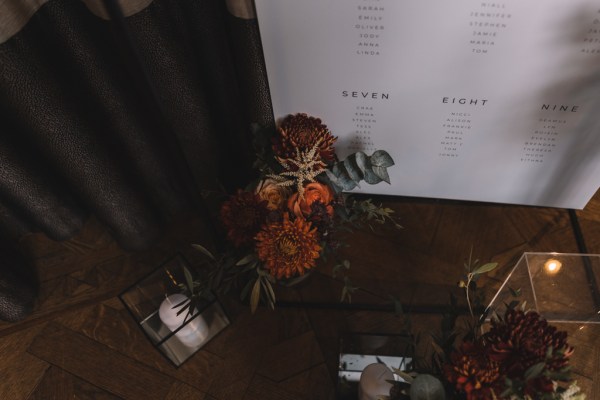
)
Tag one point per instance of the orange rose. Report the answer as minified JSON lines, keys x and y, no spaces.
{"x":312,"y":192}
{"x":272,"y":193}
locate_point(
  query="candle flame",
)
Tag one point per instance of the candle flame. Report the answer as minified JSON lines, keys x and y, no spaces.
{"x":552,"y":266}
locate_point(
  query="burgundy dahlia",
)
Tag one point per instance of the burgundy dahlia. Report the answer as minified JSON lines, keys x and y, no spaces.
{"x":302,"y":132}
{"x":521,"y":340}
{"x":243,"y":215}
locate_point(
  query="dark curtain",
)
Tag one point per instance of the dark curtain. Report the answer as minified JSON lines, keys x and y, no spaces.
{"x":130,"y":119}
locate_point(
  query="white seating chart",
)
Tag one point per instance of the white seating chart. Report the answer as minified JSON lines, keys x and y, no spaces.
{"x":495,"y":101}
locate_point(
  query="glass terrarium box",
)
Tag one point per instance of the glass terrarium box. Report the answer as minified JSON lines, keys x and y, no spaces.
{"x":366,"y":362}
{"x":565,"y":290}
{"x":561,"y":287}
{"x":160,"y":303}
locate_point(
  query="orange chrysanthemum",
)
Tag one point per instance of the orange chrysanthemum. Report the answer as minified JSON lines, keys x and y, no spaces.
{"x":302,"y":132}
{"x":288,"y":248}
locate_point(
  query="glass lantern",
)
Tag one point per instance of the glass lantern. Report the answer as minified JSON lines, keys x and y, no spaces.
{"x":160,"y":305}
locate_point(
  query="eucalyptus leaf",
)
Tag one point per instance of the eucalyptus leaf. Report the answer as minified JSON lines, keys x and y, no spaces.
{"x":216,"y":276}
{"x":255,"y":296}
{"x":245,"y":290}
{"x":246,"y":260}
{"x":333,"y":178}
{"x":381,"y":158}
{"x":250,"y":266}
{"x":341,"y":178}
{"x":204,"y":251}
{"x":352,"y":168}
{"x":189,"y":280}
{"x":382,"y":173}
{"x":362,"y":161}
{"x":347,"y":183}
{"x":371,"y":178}
{"x":269,"y":289}
{"x":484,"y":268}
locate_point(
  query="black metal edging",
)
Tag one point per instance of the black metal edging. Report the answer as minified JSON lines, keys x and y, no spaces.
{"x":417,"y":309}
{"x":589,"y":272}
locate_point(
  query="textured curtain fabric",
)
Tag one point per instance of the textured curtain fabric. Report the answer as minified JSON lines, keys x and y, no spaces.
{"x":129,"y":125}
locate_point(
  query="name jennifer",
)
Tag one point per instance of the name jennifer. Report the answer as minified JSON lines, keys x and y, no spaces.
{"x":365,"y":95}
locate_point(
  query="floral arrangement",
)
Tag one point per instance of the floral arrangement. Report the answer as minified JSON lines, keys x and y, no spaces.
{"x":281,"y":225}
{"x":517,"y":355}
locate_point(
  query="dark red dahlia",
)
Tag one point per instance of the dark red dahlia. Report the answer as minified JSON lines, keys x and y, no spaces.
{"x":243,"y":215}
{"x":301,"y":132}
{"x":521,"y":340}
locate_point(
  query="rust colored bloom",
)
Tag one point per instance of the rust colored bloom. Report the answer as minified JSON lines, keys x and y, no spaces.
{"x":313,"y":192}
{"x":521,"y":340}
{"x":288,"y":248}
{"x":302,"y":132}
{"x":243,"y":215}
{"x":473,"y":373}
{"x":275,"y":195}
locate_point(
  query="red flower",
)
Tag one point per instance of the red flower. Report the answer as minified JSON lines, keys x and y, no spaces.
{"x":243,"y":215}
{"x":473,"y":373}
{"x":301,"y":132}
{"x":522,"y":340}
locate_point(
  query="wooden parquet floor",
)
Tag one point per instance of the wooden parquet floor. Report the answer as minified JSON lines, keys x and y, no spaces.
{"x":80,"y":342}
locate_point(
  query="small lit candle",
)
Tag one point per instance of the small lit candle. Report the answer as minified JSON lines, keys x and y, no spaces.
{"x":194,"y":332}
{"x":552,"y":266}
{"x":373,"y":382}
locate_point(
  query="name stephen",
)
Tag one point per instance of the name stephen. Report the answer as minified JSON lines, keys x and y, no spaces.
{"x":365,"y":95}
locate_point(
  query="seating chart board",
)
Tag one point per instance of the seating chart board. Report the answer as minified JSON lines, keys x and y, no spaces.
{"x":495,"y":101}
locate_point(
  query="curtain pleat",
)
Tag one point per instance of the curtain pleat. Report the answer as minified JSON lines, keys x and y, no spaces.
{"x":30,"y":190}
{"x":250,"y":68}
{"x":185,"y":42}
{"x":133,"y":126}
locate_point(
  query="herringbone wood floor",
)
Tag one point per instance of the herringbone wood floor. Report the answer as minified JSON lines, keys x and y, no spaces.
{"x":80,"y":343}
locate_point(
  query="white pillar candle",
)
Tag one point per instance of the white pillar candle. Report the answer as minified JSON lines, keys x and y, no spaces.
{"x":373,"y":382}
{"x":194,"y":332}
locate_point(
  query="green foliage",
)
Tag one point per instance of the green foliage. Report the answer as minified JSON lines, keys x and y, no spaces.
{"x":359,"y":213}
{"x":195,"y":291}
{"x":348,"y":173}
{"x":347,"y":290}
